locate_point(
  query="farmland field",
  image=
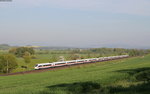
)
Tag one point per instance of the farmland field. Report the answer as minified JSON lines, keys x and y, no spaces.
{"x":106,"y":77}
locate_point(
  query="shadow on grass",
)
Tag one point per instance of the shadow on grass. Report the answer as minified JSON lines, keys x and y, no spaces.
{"x":77,"y":88}
{"x":139,"y":75}
{"x":132,"y":72}
{"x":96,"y":88}
{"x":137,"y":89}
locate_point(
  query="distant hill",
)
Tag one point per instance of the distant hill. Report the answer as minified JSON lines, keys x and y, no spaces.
{"x":49,"y":47}
{"x":4,"y":46}
{"x":56,"y":48}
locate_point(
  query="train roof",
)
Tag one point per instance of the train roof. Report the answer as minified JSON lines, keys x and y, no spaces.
{"x":70,"y":61}
{"x":59,"y":62}
{"x":44,"y":63}
{"x":79,"y":60}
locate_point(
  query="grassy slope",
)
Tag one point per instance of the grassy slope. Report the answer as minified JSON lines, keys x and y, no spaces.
{"x":105,"y":73}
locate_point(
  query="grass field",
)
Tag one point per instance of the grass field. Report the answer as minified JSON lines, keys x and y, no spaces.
{"x":111,"y":77}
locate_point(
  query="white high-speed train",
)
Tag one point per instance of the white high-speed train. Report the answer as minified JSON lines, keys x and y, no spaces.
{"x":72,"y":62}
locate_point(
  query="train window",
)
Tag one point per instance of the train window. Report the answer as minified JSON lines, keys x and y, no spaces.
{"x":40,"y":66}
{"x":36,"y":65}
{"x":79,"y":61}
{"x":59,"y":63}
{"x":70,"y":62}
{"x":48,"y":65}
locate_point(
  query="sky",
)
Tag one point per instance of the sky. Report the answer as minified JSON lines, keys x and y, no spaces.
{"x":76,"y":23}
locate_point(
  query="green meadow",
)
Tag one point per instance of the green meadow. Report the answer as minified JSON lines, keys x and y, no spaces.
{"x":111,"y":77}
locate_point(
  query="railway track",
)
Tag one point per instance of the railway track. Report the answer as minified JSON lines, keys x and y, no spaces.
{"x":54,"y":68}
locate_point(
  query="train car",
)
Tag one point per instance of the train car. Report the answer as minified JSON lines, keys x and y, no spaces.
{"x":79,"y":61}
{"x":71,"y":62}
{"x":57,"y":64}
{"x":100,"y":59}
{"x":43,"y":66}
{"x":86,"y":60}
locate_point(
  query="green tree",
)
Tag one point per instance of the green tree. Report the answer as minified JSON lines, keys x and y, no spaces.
{"x":12,"y":50}
{"x":20,"y":51}
{"x":7,"y":63}
{"x":27,"y":57}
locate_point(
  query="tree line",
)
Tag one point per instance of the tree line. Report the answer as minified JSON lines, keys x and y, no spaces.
{"x":73,"y":54}
{"x":100,"y":51}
